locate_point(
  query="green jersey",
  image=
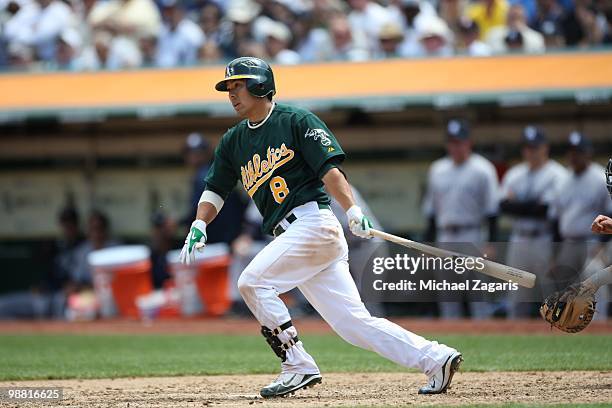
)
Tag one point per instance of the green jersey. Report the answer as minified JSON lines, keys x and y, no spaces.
{"x":280,"y":161}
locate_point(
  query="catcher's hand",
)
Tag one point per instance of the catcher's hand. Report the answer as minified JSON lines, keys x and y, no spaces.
{"x":570,"y":310}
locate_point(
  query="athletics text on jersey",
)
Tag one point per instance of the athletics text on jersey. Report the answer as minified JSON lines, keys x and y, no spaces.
{"x":279,"y":161}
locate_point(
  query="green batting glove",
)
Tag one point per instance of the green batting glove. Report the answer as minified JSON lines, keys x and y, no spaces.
{"x":196,"y":240}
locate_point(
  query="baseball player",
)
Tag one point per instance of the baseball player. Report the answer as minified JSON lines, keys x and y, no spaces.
{"x":580,"y":198}
{"x":572,"y":309}
{"x":285,"y":157}
{"x":602,"y":223}
{"x":462,"y":192}
{"x":527,"y":191}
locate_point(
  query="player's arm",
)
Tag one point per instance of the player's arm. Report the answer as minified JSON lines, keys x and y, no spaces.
{"x":220,"y":181}
{"x":336,"y":184}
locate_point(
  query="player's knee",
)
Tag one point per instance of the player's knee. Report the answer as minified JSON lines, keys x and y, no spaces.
{"x":246,"y":284}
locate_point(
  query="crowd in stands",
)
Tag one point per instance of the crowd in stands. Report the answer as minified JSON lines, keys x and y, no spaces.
{"x":81,"y":35}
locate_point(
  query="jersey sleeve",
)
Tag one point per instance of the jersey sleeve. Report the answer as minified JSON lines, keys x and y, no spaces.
{"x":318,"y":144}
{"x":221,"y":177}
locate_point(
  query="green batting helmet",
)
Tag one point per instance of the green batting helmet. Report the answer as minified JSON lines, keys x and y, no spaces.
{"x":257,"y":72}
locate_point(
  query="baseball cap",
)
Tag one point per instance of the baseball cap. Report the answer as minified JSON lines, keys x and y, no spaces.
{"x":434,"y":27}
{"x":195,"y":141}
{"x":458,"y":129}
{"x":390,"y":31}
{"x":533,"y":136}
{"x":578,"y":141}
{"x":276,"y":30}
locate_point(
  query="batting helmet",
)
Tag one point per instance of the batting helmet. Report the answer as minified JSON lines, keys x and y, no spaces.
{"x":609,"y":177}
{"x":257,"y":72}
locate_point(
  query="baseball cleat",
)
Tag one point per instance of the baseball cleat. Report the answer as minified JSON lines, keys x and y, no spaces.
{"x":288,"y":383}
{"x":440,"y":381}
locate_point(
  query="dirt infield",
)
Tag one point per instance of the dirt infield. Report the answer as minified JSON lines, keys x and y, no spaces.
{"x":310,"y":326}
{"x":341,"y":390}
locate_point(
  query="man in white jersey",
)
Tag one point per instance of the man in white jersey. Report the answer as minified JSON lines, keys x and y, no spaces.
{"x":527,"y":191}
{"x":462,"y":193}
{"x":581,"y":197}
{"x":572,"y":309}
{"x":288,"y":161}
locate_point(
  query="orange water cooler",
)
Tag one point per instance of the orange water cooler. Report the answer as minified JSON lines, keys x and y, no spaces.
{"x":204,"y":286}
{"x":120,"y":275}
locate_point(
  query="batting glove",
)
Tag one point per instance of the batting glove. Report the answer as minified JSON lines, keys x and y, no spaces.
{"x":358,"y":223}
{"x":196,"y":240}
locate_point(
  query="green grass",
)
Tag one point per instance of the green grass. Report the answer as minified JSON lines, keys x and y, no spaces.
{"x":102,"y":356}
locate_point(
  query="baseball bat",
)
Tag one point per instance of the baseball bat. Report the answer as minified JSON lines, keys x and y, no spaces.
{"x":494,"y":269}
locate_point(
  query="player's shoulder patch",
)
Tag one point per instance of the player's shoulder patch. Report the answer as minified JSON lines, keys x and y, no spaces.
{"x":318,"y":134}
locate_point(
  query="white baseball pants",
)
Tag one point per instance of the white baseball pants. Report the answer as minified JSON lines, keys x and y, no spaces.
{"x":312,"y":255}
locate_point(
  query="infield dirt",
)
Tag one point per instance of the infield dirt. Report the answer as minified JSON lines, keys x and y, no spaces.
{"x":337,"y":390}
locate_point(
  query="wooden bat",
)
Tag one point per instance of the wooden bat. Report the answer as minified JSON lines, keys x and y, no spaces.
{"x":494,"y":269}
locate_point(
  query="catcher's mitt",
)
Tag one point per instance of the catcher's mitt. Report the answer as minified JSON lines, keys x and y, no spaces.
{"x":570,"y":310}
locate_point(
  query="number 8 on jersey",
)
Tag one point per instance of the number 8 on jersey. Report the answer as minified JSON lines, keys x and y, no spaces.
{"x":278,"y":185}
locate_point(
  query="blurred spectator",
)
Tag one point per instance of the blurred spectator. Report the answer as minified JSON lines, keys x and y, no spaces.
{"x":488,"y":14}
{"x":98,"y":237}
{"x":412,"y":15}
{"x":389,"y":40}
{"x":68,"y":48}
{"x":548,"y":22}
{"x":462,"y":193}
{"x":237,"y":31}
{"x":435,"y":39}
{"x":162,"y":241}
{"x":179,"y":38}
{"x":42,"y":31}
{"x":127,"y":18}
{"x":469,"y":41}
{"x":607,"y":40}
{"x":515,"y":35}
{"x":277,"y":39}
{"x":347,"y":45}
{"x":210,"y":53}
{"x":584,"y":25}
{"x":123,"y":53}
{"x":581,"y":197}
{"x":311,"y":43}
{"x":210,"y":22}
{"x":368,"y":16}
{"x":20,"y":16}
{"x":20,"y":56}
{"x":323,"y":10}
{"x":48,"y":299}
{"x":527,"y":192}
{"x":148,"y":50}
{"x":530,"y":7}
{"x":453,"y":12}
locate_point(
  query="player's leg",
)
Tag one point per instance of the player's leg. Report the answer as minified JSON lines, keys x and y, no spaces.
{"x":282,"y":265}
{"x":334,"y":295}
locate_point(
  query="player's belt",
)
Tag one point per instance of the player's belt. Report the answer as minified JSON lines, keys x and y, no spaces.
{"x":291,"y":218}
